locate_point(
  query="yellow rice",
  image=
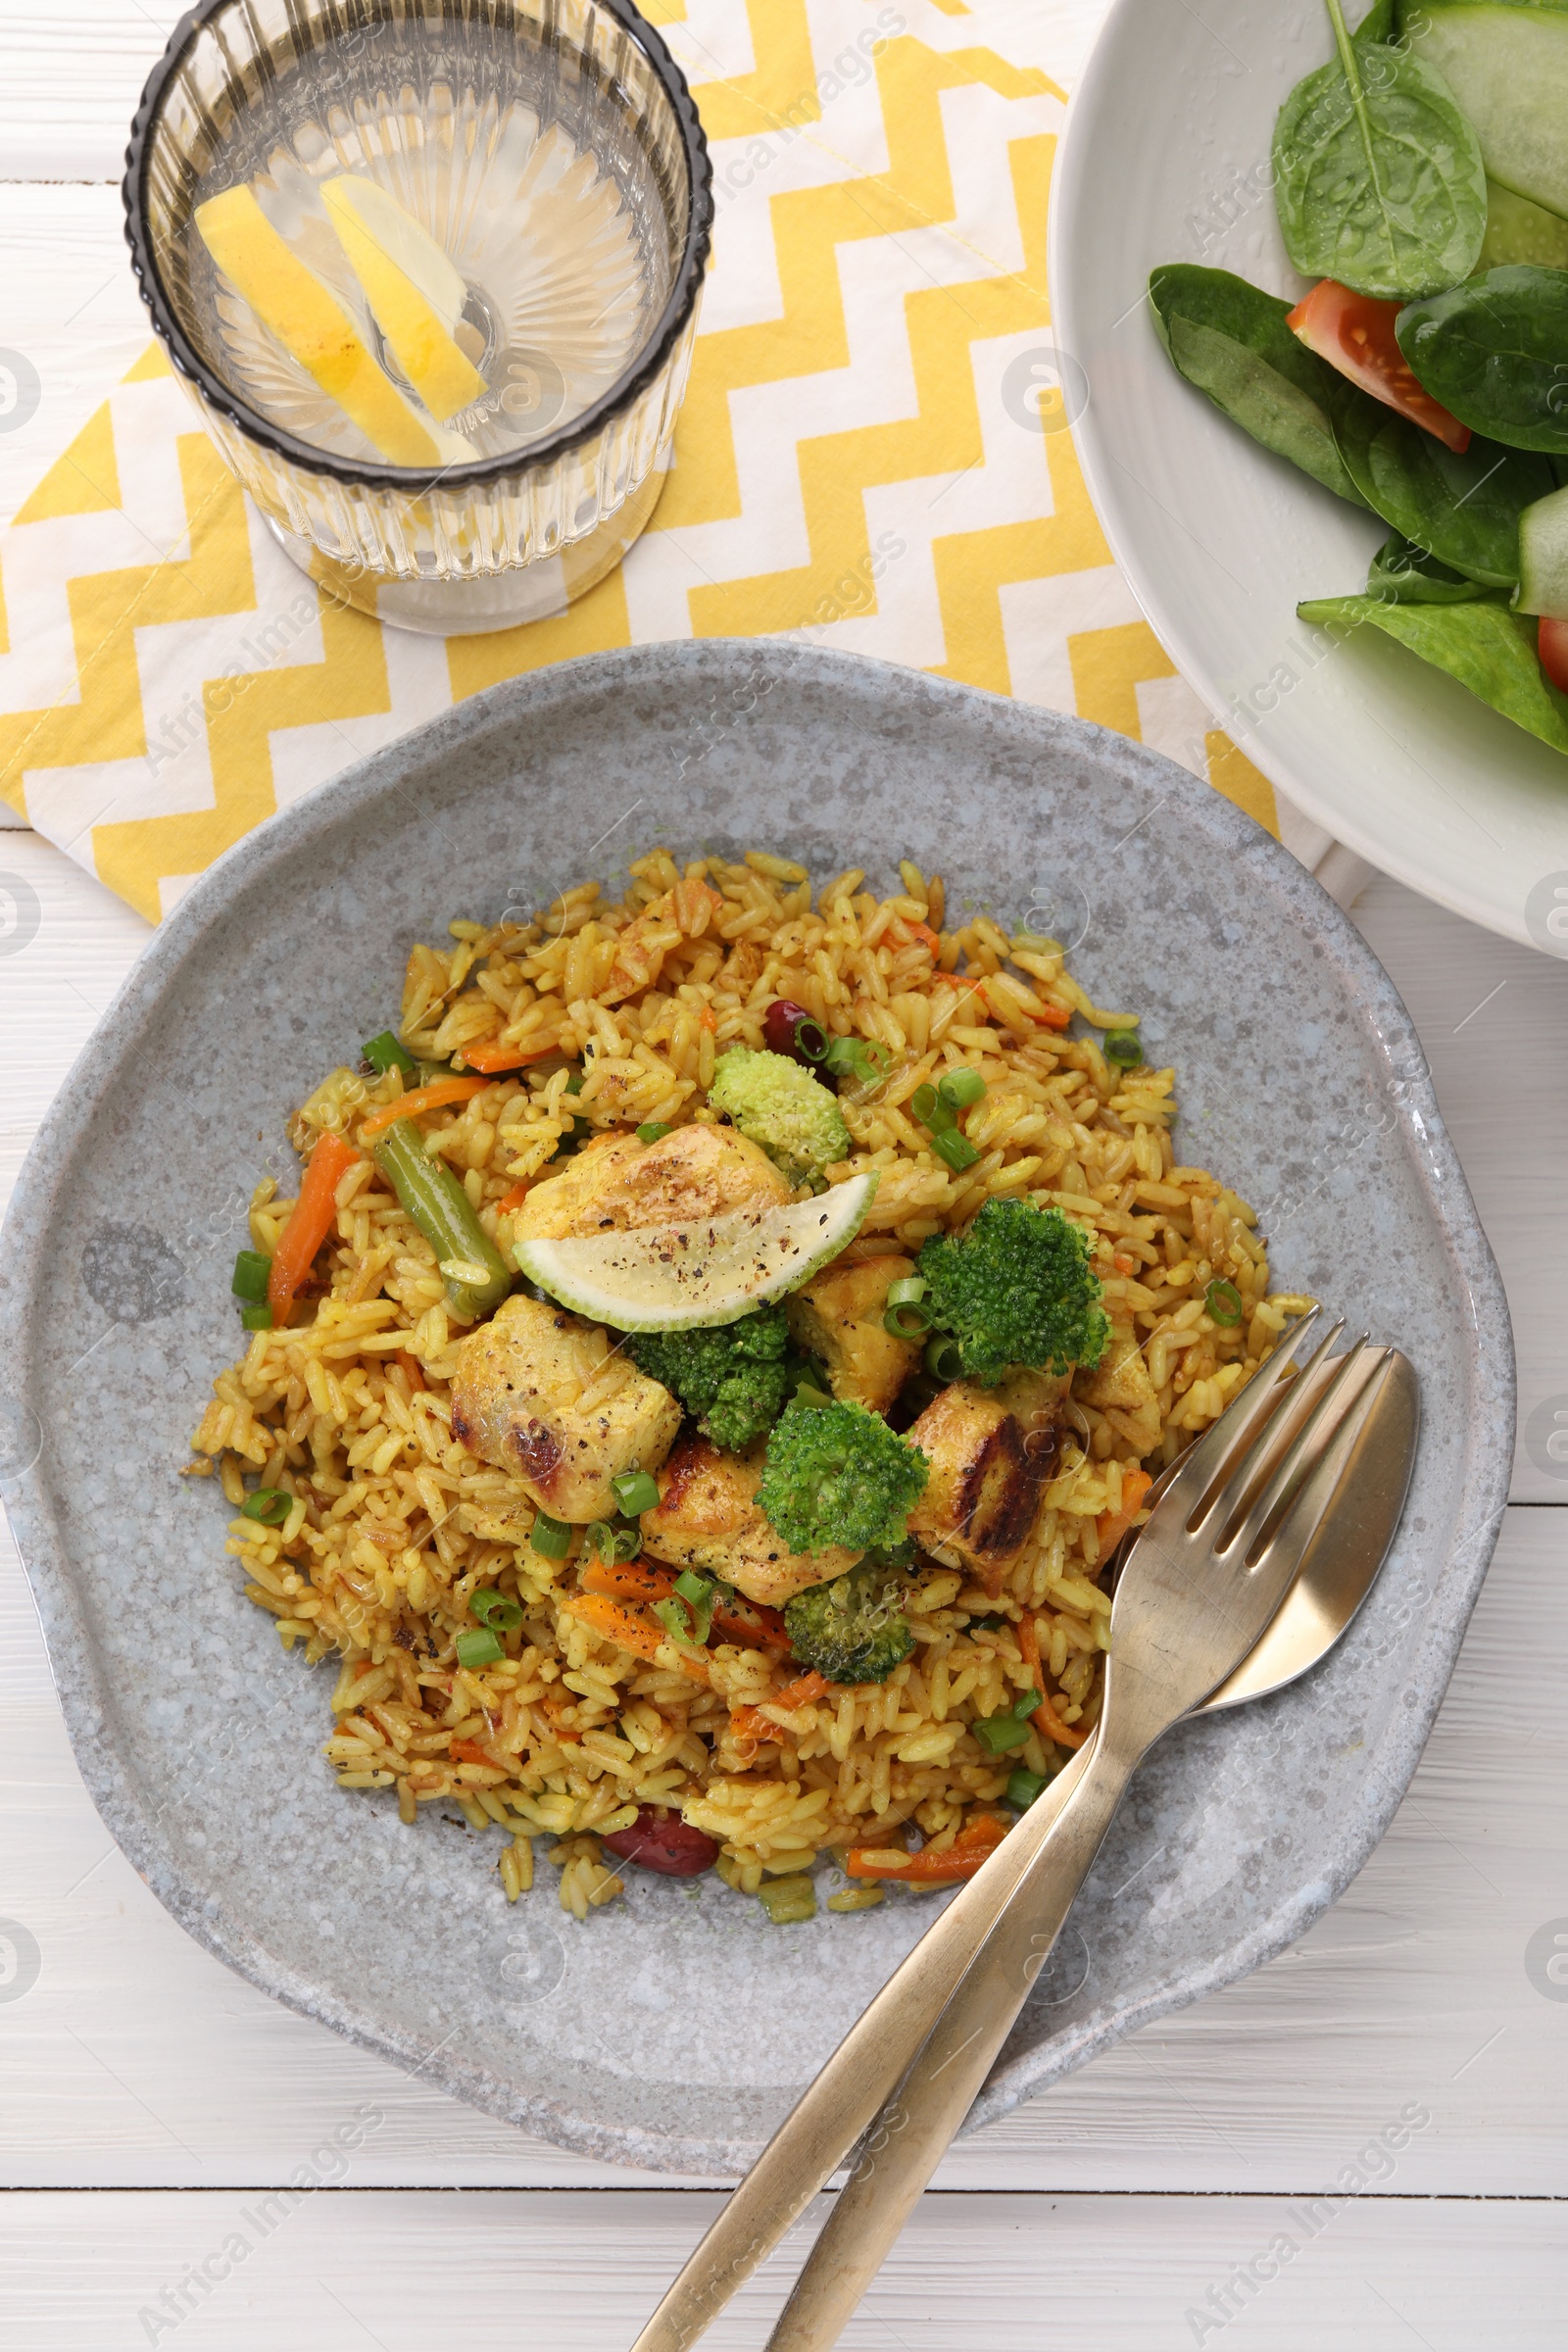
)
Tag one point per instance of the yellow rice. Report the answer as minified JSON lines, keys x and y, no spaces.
{"x":393,"y":1526}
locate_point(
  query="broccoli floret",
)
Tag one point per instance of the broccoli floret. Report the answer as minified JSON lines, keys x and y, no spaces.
{"x":852,"y":1630}
{"x":781,"y":1106}
{"x":734,"y":1379}
{"x":1016,"y":1289}
{"x":837,"y":1474}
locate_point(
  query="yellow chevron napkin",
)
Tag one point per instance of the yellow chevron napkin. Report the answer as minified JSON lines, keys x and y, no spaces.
{"x":860,"y":461}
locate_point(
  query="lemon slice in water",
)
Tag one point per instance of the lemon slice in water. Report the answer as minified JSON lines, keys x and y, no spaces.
{"x":413,"y":291}
{"x":685,"y":1277}
{"x":312,"y":326}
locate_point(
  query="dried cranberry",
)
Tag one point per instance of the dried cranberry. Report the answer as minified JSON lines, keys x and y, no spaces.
{"x":788,"y":1028}
{"x":663,"y":1843}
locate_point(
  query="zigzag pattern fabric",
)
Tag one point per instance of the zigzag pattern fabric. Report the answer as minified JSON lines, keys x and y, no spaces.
{"x":873,"y":455}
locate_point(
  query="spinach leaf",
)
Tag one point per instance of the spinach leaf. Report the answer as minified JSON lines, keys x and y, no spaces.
{"x":1230,"y":339}
{"x":1377,"y":25}
{"x":1486,"y":647}
{"x":1379,"y":176}
{"x":1411,"y":577}
{"x":1495,"y":352}
{"x":1463,"y":509}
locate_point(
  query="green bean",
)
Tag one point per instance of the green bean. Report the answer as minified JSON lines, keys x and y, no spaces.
{"x":442,"y":1210}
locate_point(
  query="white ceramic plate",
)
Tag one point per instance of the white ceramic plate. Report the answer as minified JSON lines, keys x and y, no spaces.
{"x":1164,"y":159}
{"x":677,"y":2027}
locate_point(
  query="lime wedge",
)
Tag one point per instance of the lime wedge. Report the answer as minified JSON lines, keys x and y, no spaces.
{"x":311,"y":323}
{"x":685,"y":1277}
{"x":415,"y":294}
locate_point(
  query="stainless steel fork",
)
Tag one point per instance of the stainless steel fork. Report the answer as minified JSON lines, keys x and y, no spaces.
{"x":1207,"y":1575}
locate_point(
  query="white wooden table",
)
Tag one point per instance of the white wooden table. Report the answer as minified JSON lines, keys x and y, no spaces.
{"x":150,"y":2098}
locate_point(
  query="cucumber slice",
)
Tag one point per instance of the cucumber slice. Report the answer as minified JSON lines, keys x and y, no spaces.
{"x":1543,"y":558}
{"x":1506,"y":61}
{"x":1519,"y":231}
{"x":684,"y":1278}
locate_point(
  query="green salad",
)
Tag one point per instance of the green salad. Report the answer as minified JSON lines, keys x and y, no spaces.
{"x":1421,"y":176}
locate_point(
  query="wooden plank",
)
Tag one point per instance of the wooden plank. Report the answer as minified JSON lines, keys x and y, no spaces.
{"x":402,"y":2272}
{"x":72,"y":81}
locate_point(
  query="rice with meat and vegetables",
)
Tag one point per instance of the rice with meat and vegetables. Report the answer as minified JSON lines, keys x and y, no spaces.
{"x":555,"y":1685}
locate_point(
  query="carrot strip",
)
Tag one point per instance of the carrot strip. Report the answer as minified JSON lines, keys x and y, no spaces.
{"x":1111,"y":1526}
{"x":435,"y":1097}
{"x":750,"y":1723}
{"x":801,"y":1692}
{"x":751,"y":1625}
{"x":510,"y":1202}
{"x":967,"y":1855}
{"x":309,"y":1222}
{"x":628,"y":1631}
{"x":628,"y":1580}
{"x":493,"y":1056}
{"x":924,"y":933}
{"x":469,"y":1751}
{"x":1049,"y":1724}
{"x":1046,"y":1722}
{"x":412,"y":1368}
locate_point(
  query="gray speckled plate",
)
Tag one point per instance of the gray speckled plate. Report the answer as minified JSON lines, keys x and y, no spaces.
{"x":674,"y":2029}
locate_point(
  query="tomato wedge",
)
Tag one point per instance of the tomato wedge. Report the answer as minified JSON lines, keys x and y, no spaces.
{"x":1355,"y":334}
{"x":1554,"y":649}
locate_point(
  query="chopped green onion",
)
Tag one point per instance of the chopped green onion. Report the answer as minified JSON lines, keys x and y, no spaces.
{"x":1223,"y":1305}
{"x":999,"y":1735}
{"x":1124,"y":1048}
{"x":269,"y":1504}
{"x":478,"y":1649}
{"x":808,"y":1393}
{"x":612,"y":1544}
{"x":956,"y":1150}
{"x":788,"y":1901}
{"x":698,"y":1594}
{"x":1024,"y":1787}
{"x":944,"y":1360}
{"x":575,"y":1083}
{"x":635,"y":1492}
{"x":252,"y":1272}
{"x":931,"y":1112}
{"x":654,"y":1131}
{"x":256,"y":1318}
{"x":384,"y":1053}
{"x":551,"y":1537}
{"x":905,"y":1317}
{"x":674,"y":1617}
{"x":498,"y":1610}
{"x":961,"y":1088}
{"x":859,"y":1058}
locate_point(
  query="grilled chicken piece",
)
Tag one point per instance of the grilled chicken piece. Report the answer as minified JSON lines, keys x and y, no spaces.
{"x":1122,"y":1389}
{"x":839,"y":1318}
{"x":544,"y":1394}
{"x":620,"y":1183}
{"x":706,"y":1518}
{"x":992,"y":1451}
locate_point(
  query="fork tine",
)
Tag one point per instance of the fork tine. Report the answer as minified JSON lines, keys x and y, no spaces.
{"x":1240,"y":1422}
{"x":1251,"y":1509}
{"x":1283,"y":1545}
{"x":1252,"y":1438}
